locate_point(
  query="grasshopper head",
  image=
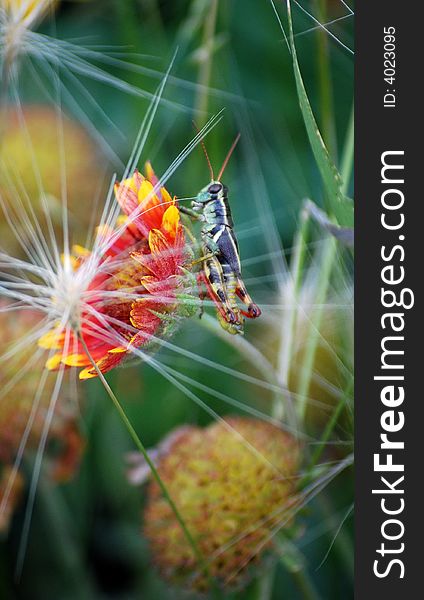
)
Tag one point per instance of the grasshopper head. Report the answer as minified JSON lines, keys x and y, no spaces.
{"x":215,"y":189}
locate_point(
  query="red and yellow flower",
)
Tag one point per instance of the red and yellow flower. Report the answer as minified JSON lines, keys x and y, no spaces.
{"x":134,"y":296}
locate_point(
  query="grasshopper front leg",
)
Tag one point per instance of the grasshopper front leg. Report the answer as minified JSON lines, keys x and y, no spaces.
{"x":202,"y":259}
{"x":191,"y":213}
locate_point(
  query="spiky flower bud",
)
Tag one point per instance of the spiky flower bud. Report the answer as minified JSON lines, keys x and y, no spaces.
{"x":234,"y":484}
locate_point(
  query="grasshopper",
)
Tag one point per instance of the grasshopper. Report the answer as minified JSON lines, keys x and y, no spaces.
{"x":221,"y":273}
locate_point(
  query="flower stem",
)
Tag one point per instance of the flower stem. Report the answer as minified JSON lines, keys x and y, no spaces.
{"x":342,"y":542}
{"x":287,"y":336}
{"x":325,"y":83}
{"x":328,"y":256}
{"x":262,"y":587}
{"x":265,"y":585}
{"x":304,"y":585}
{"x":294,"y":562}
{"x":329,"y":429}
{"x":348,"y":153}
{"x":140,"y":446}
{"x":60,"y":532}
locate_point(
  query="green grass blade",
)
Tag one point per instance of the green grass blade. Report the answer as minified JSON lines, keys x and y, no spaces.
{"x":340,"y":206}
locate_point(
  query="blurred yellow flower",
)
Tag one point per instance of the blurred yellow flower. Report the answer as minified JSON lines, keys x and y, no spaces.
{"x":30,"y":161}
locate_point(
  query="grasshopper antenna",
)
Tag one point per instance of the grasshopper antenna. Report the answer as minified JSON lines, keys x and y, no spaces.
{"x":206,"y":153}
{"x":230,"y":151}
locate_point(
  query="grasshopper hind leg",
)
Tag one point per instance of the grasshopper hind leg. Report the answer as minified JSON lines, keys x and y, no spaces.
{"x":202,"y":293}
{"x":253,"y":311}
{"x":229,"y":315}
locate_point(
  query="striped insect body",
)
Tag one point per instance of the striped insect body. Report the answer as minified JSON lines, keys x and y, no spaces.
{"x":221,"y":272}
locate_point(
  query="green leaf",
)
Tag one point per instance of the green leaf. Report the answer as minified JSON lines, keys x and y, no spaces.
{"x":340,"y":206}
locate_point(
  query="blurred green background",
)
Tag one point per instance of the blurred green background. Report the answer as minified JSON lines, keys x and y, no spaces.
{"x":85,"y":539}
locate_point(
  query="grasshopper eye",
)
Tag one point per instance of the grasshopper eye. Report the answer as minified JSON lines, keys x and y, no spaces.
{"x":214,"y":188}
